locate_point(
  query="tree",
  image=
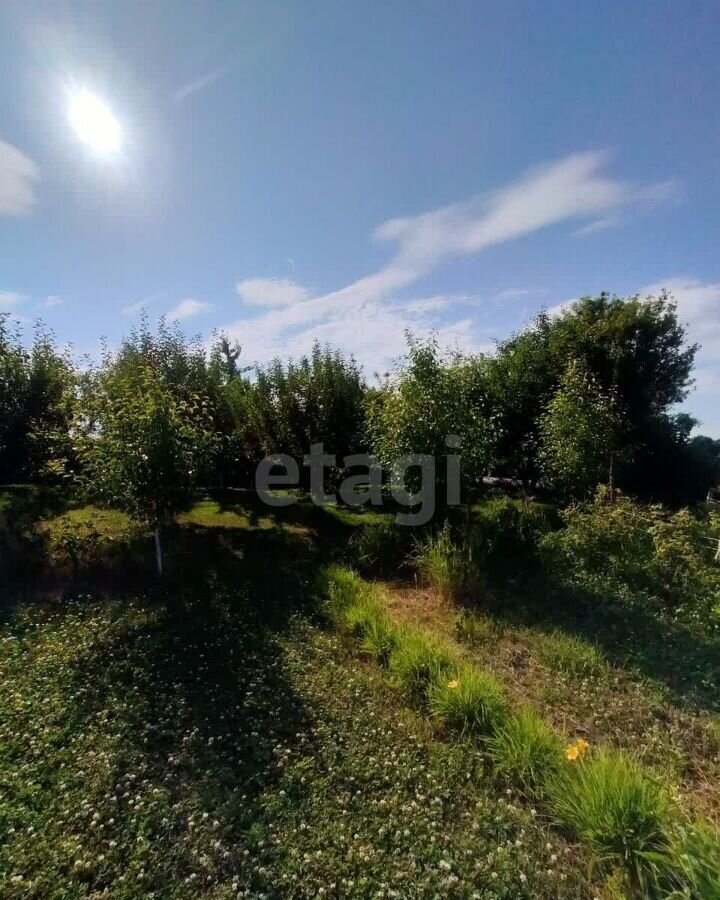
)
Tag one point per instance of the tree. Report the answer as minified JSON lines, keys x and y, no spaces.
{"x":37,"y":407}
{"x":429,"y":399}
{"x":578,"y":433}
{"x":634,"y":348}
{"x":145,"y":443}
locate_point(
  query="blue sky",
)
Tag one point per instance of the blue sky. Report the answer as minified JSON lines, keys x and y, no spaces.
{"x":346,"y":171}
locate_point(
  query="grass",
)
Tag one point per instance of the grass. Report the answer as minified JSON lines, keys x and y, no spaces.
{"x":528,"y":752}
{"x":418,"y":661}
{"x":622,"y":813}
{"x":572,"y":655}
{"x":467,"y":701}
{"x":191,"y":751}
{"x":446,"y":566}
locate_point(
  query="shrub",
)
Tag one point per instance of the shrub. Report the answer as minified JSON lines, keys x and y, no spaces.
{"x":417,"y":661}
{"x":381,"y":548}
{"x":445,"y":565}
{"x":527,"y":751}
{"x":571,"y":655}
{"x":609,"y":802}
{"x":468,"y":701}
{"x":507,"y":533}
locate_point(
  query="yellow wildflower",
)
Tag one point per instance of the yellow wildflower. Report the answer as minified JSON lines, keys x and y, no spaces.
{"x":454,"y":684}
{"x":576,"y":750}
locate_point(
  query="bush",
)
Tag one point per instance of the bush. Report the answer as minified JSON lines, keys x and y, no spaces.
{"x":609,"y":802}
{"x":418,"y":661}
{"x":507,"y":533}
{"x":528,"y":752}
{"x":381,"y":548}
{"x":447,"y":566}
{"x":572,"y":655}
{"x":628,"y":552}
{"x":468,"y":701}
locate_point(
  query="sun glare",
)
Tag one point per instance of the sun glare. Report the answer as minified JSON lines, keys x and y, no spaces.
{"x":94,"y":123}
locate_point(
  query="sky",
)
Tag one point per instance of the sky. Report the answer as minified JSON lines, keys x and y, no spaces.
{"x":287,"y":171}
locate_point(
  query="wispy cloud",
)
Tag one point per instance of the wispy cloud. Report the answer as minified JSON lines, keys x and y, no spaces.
{"x":18,"y":174}
{"x":368,"y":317}
{"x":52,"y":300}
{"x":699,"y":308}
{"x":132,"y":309}
{"x":188,"y":308}
{"x":202,"y":81}
{"x":271,"y":291}
{"x":9,"y":300}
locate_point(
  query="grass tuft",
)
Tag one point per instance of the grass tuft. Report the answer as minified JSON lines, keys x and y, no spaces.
{"x":572,"y":655}
{"x":417,"y":661}
{"x":380,"y":639}
{"x":446,"y":566}
{"x":527,"y":751}
{"x":608,"y":801}
{"x":468,"y":701}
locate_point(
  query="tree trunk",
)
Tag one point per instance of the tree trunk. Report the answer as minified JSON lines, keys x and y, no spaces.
{"x":158,"y":551}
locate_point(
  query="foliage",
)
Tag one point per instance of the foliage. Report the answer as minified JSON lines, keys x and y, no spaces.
{"x":527,"y":751}
{"x":577,"y":433}
{"x":467,"y":701}
{"x":417,"y":662}
{"x":620,"y":811}
{"x":380,"y":638}
{"x":631,"y":552}
{"x":428,"y":399}
{"x":634,"y":349}
{"x":37,"y":407}
{"x":506,"y":534}
{"x":447,"y":565}
{"x":381,"y":548}
{"x":697,"y":851}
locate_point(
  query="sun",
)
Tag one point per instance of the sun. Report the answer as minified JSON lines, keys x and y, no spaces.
{"x":94,"y":123}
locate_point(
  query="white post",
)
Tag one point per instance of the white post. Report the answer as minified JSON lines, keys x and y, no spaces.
{"x":158,"y":551}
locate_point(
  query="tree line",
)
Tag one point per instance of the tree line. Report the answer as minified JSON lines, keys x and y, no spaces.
{"x":586,"y":396}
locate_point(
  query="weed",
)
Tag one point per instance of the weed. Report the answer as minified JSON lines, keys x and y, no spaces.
{"x":446,"y":566}
{"x":572,"y":655}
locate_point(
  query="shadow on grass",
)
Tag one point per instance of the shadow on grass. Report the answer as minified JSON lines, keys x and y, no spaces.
{"x":684,"y":660}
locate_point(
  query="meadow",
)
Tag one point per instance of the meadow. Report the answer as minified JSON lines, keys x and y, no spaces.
{"x":266,"y":721}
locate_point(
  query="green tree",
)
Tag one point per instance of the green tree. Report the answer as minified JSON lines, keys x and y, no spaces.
{"x":430,"y":398}
{"x":578,"y":433}
{"x":37,"y":407}
{"x":147,"y":439}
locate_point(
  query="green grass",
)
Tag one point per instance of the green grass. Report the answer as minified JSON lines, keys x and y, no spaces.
{"x":526,"y":751}
{"x":468,"y":701}
{"x":418,"y":661}
{"x":192,"y":752}
{"x":446,"y":566}
{"x":571,"y":655}
{"x":620,"y":811}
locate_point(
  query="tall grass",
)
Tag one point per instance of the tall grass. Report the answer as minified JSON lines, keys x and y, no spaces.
{"x":608,"y":801}
{"x":446,"y":565}
{"x":528,"y":752}
{"x":572,"y":655}
{"x":468,"y":701}
{"x":418,"y":661}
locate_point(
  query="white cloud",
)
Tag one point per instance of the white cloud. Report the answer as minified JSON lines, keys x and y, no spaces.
{"x":9,"y":300}
{"x":52,"y":300}
{"x":17,"y":174}
{"x":271,"y":291}
{"x":202,"y":81}
{"x":367,"y":318}
{"x":698,"y":307}
{"x":188,"y":308}
{"x":132,"y":308}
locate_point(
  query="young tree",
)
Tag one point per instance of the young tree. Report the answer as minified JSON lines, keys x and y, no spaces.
{"x":146,"y":447}
{"x":431,"y":398}
{"x":578,"y":433}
